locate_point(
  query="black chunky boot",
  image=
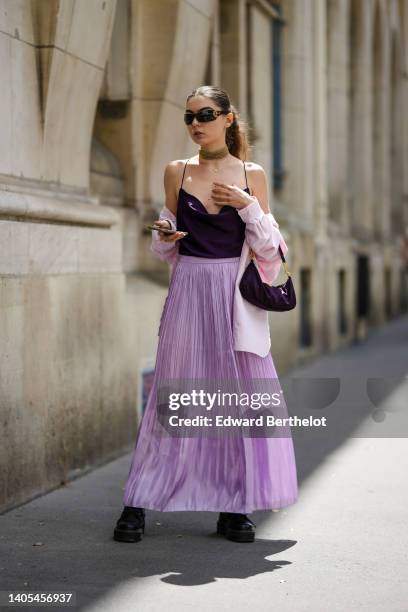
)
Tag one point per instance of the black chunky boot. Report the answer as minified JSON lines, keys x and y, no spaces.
{"x":236,"y":527}
{"x":131,"y":525}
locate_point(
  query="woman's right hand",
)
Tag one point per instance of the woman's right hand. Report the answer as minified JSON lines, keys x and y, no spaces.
{"x":168,"y":237}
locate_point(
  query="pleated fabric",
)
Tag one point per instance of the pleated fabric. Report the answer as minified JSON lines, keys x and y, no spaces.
{"x":236,"y":473}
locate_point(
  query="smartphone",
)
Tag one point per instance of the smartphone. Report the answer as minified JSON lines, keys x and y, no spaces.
{"x":165,"y":230}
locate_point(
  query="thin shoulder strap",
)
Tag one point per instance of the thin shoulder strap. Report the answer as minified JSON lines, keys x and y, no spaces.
{"x":246,"y":180}
{"x":185,"y":166}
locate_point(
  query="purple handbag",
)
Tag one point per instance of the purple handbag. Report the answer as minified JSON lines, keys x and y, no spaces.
{"x":254,"y":290}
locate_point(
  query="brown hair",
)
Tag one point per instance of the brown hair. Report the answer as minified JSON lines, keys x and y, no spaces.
{"x":236,"y":135}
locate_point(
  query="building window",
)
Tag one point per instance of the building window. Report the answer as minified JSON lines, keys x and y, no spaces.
{"x":276,"y":33}
{"x":363,"y":286}
{"x":305,"y":308}
{"x":341,"y":312}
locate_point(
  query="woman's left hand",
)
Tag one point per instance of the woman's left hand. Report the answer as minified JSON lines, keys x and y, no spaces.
{"x":230,"y":195}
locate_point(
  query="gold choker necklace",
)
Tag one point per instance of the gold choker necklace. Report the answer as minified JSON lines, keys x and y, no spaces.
{"x":218,"y":154}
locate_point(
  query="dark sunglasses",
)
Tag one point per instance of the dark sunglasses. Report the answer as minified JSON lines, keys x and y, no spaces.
{"x":203,"y":116}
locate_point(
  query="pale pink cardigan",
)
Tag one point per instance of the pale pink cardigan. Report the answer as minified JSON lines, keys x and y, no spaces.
{"x":250,"y":324}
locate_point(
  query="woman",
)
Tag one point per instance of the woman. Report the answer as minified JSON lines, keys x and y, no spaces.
{"x":207,"y":331}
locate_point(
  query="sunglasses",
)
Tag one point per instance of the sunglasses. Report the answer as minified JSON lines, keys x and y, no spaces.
{"x":203,"y":116}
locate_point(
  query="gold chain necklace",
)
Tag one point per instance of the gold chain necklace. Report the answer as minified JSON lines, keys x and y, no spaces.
{"x":218,"y":154}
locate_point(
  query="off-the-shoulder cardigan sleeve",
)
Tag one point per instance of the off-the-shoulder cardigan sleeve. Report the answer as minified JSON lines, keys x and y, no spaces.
{"x":166,"y":251}
{"x":263,"y":237}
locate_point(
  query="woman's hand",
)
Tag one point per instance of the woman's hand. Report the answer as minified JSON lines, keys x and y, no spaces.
{"x":230,"y":195}
{"x":168,"y":237}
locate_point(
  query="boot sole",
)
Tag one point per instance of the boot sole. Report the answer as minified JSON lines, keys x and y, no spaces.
{"x":235,"y":536}
{"x":121,"y":535}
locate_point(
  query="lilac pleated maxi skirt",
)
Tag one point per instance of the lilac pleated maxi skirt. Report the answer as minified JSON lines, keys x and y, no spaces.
{"x":224,"y":474}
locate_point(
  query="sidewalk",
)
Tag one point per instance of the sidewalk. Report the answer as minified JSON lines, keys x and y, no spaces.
{"x":343,"y":546}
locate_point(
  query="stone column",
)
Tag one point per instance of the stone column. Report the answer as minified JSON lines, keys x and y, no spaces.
{"x":297,"y":69}
{"x":338,"y":109}
{"x":66,"y":392}
{"x":323,"y":273}
{"x":260,"y":89}
{"x":360,"y":153}
{"x":233,"y":50}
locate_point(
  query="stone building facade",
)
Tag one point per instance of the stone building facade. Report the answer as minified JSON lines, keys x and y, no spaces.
{"x":90,"y":113}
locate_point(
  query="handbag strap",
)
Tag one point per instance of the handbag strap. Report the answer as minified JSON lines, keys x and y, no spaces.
{"x":285,"y":265}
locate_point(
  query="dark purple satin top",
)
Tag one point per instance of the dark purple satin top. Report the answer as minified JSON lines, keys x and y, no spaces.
{"x":219,"y":234}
